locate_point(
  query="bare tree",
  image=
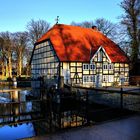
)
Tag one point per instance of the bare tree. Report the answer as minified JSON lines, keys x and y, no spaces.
{"x":76,"y":23}
{"x":131,"y":19}
{"x":7,"y":51}
{"x":2,"y":57}
{"x":36,"y":29}
{"x":28,"y":52}
{"x":20,"y":40}
{"x":86,"y":24}
{"x":106,"y":27}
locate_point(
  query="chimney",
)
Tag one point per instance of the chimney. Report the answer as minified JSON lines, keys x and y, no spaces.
{"x":94,"y":28}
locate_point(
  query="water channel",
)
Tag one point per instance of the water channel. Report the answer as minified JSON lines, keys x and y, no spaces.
{"x":27,"y":113}
{"x":22,"y":115}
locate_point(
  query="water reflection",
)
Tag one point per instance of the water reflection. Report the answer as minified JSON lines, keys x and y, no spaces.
{"x":40,"y":112}
{"x":16,"y":131}
{"x":15,"y":115}
{"x":43,"y":114}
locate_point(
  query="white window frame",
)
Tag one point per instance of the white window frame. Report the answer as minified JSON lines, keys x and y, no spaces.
{"x":105,"y":78}
{"x":85,"y":79}
{"x":85,"y":66}
{"x":92,"y":67}
{"x":93,"y":78}
{"x":110,"y":66}
{"x":89,"y":78}
{"x":105,"y":66}
{"x":110,"y":78}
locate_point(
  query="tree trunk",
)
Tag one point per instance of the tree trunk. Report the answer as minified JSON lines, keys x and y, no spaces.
{"x":10,"y":66}
{"x":28,"y":69}
{"x":3,"y":70}
{"x":19,"y":66}
{"x":6,"y":70}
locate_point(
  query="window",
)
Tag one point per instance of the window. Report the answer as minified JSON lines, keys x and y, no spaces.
{"x":88,"y":78}
{"x":92,"y":66}
{"x":110,"y":66}
{"x":111,"y":78}
{"x":86,"y":67}
{"x":92,"y":78}
{"x":105,"y":66}
{"x":84,"y":79}
{"x":105,"y":78}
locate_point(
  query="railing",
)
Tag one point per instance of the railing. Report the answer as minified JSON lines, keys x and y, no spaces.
{"x":20,"y":83}
{"x":128,"y":99}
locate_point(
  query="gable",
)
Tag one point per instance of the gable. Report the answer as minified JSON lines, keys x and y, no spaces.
{"x":100,"y":56}
{"x":42,"y":55}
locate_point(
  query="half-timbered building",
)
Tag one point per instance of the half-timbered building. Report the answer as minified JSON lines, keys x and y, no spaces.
{"x":79,"y":56}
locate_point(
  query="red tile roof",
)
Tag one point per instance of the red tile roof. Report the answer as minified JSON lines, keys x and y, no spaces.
{"x":73,"y":43}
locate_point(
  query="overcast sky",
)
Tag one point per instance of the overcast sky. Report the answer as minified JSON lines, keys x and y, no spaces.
{"x":14,"y":14}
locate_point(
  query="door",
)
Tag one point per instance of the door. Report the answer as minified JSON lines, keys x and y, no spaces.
{"x":99,"y":80}
{"x":66,"y":74}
